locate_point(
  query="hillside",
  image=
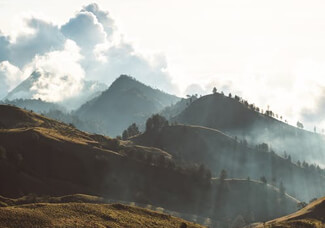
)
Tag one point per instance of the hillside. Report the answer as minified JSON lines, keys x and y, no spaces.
{"x":83,"y":211}
{"x":236,"y":118}
{"x":126,"y":101}
{"x":313,"y":215}
{"x":218,"y":151}
{"x":45,"y":157}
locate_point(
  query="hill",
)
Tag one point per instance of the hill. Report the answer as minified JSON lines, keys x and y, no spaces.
{"x":84,"y":211}
{"x":126,"y":101}
{"x":45,"y":157}
{"x":310,"y":216}
{"x":218,"y":151}
{"x":236,"y":117}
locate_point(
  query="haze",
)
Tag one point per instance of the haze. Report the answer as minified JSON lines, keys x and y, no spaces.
{"x":269,"y":52}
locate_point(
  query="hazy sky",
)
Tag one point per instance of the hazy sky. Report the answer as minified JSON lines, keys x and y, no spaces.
{"x":270,"y":52}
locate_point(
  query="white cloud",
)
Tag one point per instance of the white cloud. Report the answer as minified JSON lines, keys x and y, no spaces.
{"x":10,"y":76}
{"x":61,"y":75}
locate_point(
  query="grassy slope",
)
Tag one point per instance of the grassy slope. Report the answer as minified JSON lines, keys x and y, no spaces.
{"x":82,"y":211}
{"x":59,"y":159}
{"x":236,"y":119}
{"x":311,"y":216}
{"x":219,"y":151}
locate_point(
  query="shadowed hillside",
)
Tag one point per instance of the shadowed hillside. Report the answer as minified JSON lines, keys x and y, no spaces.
{"x":237,"y":118}
{"x":125,"y":102}
{"x":218,"y":151}
{"x":313,"y":215}
{"x":41,"y":156}
{"x":82,"y":211}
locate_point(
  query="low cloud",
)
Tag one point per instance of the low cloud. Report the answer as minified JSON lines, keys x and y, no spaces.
{"x":60,"y":74}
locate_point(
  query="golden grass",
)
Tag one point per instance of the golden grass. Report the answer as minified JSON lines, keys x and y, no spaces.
{"x":311,"y":216}
{"x":85,"y":215}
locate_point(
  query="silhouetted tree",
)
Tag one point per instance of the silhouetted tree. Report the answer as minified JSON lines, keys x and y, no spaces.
{"x":263,"y":180}
{"x":132,"y":130}
{"x":230,"y":96}
{"x":298,"y":163}
{"x":223,"y":175}
{"x":300,"y":125}
{"x":301,"y":205}
{"x":289,"y":158}
{"x":214,"y":90}
{"x":156,"y":123}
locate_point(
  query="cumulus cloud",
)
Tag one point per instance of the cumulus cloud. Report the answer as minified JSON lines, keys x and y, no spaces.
{"x":10,"y":76}
{"x":44,"y":38}
{"x":86,"y":47}
{"x":61,"y":76}
{"x":85,"y":29}
{"x":4,"y":47}
{"x":103,"y":18}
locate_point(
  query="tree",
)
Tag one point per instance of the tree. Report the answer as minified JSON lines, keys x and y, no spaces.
{"x":223,"y":175}
{"x":298,"y":163}
{"x":156,"y":123}
{"x":132,"y":130}
{"x":282,"y":188}
{"x":214,"y":90}
{"x":300,"y":125}
{"x":263,"y":180}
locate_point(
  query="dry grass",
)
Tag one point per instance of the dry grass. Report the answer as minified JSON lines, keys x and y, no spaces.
{"x":311,"y":216}
{"x":85,"y":215}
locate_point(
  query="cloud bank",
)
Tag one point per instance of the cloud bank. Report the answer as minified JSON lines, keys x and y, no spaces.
{"x":87,"y":47}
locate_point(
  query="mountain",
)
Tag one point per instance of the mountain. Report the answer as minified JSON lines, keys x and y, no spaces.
{"x":80,"y":211}
{"x":37,"y":105}
{"x":237,"y":118}
{"x":24,"y":91}
{"x":218,"y":151}
{"x":313,"y":215}
{"x":42,"y":156}
{"x":126,"y":101}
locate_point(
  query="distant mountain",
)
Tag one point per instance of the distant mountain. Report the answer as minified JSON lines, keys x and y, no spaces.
{"x":42,"y":156}
{"x":312,"y":215}
{"x":218,"y":151}
{"x":237,"y":118}
{"x":126,"y":101}
{"x":36,"y":105}
{"x":90,"y":90}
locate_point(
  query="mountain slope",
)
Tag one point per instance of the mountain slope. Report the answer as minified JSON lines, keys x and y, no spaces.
{"x":126,"y":101}
{"x":45,"y":157}
{"x":313,"y":215}
{"x":238,"y":119}
{"x":84,"y":211}
{"x":218,"y":151}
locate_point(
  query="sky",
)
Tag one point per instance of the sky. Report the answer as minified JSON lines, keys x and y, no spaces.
{"x":272,"y":53}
